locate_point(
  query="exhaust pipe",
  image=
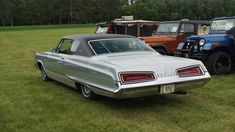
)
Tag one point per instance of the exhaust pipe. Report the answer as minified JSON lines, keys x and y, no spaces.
{"x":181,"y":92}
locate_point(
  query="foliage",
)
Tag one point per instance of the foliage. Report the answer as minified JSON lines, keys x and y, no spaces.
{"x":38,"y":12}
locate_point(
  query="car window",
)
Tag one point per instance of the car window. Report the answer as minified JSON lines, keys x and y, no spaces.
{"x":202,"y":29}
{"x":187,"y":28}
{"x":118,"y":45}
{"x":65,"y":46}
{"x":167,"y":28}
{"x":101,"y":30}
{"x":74,"y":46}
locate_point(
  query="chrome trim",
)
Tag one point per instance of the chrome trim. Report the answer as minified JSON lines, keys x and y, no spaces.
{"x":140,"y":81}
{"x":149,"y":90}
{"x":203,"y":72}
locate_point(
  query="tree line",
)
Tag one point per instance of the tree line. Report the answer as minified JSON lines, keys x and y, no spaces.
{"x":41,"y":12}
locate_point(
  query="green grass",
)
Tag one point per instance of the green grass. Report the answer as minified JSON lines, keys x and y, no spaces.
{"x":29,"y":104}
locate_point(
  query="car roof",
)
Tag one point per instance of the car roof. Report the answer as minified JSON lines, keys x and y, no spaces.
{"x":84,"y":49}
{"x":188,"y":21}
{"x":89,"y":37}
{"x":220,"y":18}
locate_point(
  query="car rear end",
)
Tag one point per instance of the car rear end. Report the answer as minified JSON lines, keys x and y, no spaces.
{"x":151,"y":74}
{"x":147,"y":83}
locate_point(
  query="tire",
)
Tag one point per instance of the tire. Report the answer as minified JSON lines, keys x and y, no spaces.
{"x":219,"y":63}
{"x":44,"y":75}
{"x":87,"y":92}
{"x":161,"y":51}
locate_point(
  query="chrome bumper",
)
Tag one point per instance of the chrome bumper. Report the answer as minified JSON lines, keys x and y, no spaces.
{"x":149,"y":90}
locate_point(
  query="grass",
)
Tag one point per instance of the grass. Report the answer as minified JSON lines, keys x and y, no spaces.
{"x":29,"y":104}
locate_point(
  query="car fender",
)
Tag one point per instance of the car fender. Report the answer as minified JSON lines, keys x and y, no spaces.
{"x":213,"y":46}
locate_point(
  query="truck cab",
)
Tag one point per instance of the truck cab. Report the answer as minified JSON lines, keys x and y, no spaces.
{"x":170,"y":33}
{"x":216,"y":49}
{"x":127,"y":25}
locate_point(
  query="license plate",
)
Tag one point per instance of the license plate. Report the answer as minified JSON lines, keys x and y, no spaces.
{"x":170,"y":88}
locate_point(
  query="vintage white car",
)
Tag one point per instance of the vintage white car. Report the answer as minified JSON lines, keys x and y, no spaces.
{"x":118,"y":66}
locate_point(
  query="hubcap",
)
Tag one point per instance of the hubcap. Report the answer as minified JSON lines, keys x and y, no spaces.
{"x":86,"y":90}
{"x":222,"y":64}
{"x":43,"y":74}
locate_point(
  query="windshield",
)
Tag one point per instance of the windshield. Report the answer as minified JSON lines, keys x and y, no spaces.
{"x":222,"y":25}
{"x":118,"y":45}
{"x":168,"y":28}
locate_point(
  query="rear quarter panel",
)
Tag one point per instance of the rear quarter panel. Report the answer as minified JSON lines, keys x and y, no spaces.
{"x":87,"y":71}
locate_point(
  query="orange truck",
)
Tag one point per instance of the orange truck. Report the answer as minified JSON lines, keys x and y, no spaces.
{"x":170,"y":33}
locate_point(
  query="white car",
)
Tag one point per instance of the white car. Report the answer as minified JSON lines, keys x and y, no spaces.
{"x":118,"y":66}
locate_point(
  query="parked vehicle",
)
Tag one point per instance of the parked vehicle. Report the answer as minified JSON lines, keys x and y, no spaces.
{"x":138,"y":28}
{"x":170,"y":33}
{"x":118,"y":66}
{"x":216,"y":49}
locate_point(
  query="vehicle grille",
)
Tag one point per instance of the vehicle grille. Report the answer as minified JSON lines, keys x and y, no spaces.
{"x":191,"y":45}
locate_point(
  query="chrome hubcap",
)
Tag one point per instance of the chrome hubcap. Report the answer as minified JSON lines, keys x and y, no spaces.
{"x":43,"y":74}
{"x":86,"y":90}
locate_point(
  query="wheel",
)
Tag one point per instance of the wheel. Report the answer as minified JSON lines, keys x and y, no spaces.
{"x":161,"y":51}
{"x":87,"y":92}
{"x":219,"y":63}
{"x":44,"y":75}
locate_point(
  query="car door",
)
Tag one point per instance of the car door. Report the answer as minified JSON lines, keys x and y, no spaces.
{"x":55,"y":61}
{"x":68,"y":66}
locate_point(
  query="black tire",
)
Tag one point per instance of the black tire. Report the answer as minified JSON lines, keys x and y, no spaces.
{"x":87,"y":92}
{"x":161,"y":51}
{"x":44,"y":75}
{"x":219,"y":63}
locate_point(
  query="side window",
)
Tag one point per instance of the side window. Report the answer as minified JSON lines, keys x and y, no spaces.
{"x":65,"y":46}
{"x":202,"y":29}
{"x":74,"y":46}
{"x":187,"y":28}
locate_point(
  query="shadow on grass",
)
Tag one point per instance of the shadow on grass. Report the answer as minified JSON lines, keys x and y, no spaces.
{"x":168,"y":100}
{"x":141,"y":103}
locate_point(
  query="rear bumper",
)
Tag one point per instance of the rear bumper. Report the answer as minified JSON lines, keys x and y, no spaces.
{"x":192,"y":55}
{"x":150,"y":90}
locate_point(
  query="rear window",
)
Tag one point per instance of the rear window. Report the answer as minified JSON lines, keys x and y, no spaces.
{"x":118,"y":45}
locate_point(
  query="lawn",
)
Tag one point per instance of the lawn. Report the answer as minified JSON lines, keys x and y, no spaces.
{"x":28,"y":104}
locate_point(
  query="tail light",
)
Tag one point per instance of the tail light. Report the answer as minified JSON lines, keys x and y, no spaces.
{"x":109,"y":30}
{"x":189,"y":71}
{"x":134,"y":77}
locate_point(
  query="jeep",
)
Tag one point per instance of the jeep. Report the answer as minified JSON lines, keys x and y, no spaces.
{"x":170,"y":33}
{"x":216,"y":49}
{"x":126,"y":25}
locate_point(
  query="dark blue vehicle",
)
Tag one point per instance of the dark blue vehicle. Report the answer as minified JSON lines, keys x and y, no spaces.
{"x":216,"y":49}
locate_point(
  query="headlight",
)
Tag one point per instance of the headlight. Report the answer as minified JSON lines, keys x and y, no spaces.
{"x":202,"y":42}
